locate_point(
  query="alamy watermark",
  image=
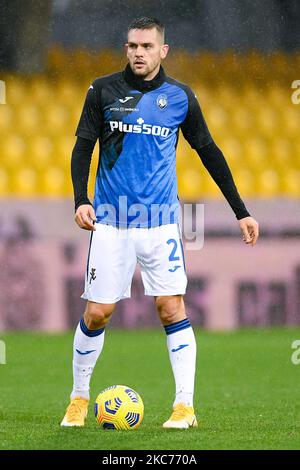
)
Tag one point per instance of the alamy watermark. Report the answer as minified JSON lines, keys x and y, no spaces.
{"x":2,"y":92}
{"x":295,"y":357}
{"x":296,"y":94}
{"x":189,"y":217}
{"x":2,"y":352}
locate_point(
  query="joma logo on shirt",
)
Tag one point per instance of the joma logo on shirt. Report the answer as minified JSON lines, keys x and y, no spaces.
{"x":140,"y":128}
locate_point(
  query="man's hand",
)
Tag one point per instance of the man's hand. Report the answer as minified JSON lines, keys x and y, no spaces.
{"x":85,"y":216}
{"x":249,"y":229}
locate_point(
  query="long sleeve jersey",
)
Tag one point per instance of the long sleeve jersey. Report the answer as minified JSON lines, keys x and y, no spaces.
{"x":137,"y":123}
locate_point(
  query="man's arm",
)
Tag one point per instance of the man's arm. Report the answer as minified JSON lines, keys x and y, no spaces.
{"x":88,"y":131}
{"x":195,"y":131}
{"x":80,"y":169}
{"x":215,"y":163}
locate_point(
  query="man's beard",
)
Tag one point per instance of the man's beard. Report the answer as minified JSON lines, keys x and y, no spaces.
{"x":141,"y":73}
{"x":144,"y":72}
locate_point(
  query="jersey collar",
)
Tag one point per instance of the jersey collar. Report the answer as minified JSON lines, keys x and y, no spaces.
{"x":143,"y":85}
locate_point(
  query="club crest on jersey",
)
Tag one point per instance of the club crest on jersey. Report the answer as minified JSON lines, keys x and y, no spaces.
{"x":162,"y":101}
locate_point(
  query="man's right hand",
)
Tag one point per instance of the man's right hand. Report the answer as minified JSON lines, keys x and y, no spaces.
{"x":85,"y":216}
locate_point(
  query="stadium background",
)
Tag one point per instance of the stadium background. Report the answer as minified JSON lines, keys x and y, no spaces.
{"x":241,"y":59}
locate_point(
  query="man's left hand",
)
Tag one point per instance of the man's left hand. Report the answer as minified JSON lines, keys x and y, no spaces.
{"x":250,"y":230}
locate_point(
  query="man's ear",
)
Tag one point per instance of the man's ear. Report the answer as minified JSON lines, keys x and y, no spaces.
{"x":126,"y":48}
{"x":164,"y":51}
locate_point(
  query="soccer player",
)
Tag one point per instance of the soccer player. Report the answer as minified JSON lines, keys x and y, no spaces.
{"x":136,"y":115}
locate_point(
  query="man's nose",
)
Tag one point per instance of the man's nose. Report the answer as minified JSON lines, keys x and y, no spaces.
{"x":139,"y":51}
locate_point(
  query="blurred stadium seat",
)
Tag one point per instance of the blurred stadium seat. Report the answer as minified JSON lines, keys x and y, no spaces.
{"x":248,"y":110}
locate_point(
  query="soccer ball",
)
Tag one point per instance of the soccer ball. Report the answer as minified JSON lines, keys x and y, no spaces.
{"x":119,"y":407}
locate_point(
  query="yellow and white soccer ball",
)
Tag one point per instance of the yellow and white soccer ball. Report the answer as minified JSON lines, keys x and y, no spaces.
{"x":119,"y":407}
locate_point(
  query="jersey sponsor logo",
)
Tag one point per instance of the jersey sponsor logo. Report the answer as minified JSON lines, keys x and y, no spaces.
{"x":139,"y":128}
{"x":162,"y":101}
{"x":124,"y":100}
{"x":123,"y":109}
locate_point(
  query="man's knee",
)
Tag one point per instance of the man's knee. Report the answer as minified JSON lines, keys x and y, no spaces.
{"x":97,"y":315}
{"x":170,"y":308}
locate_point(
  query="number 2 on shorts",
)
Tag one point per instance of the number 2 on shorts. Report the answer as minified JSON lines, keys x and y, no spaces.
{"x":172,"y":256}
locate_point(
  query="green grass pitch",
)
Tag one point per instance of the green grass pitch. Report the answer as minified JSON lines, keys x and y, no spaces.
{"x":247,"y":391}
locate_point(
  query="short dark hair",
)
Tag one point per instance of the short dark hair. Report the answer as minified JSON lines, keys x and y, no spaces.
{"x":147,"y":22}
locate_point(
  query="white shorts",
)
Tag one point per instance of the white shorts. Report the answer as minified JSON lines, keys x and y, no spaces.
{"x":114,"y":253}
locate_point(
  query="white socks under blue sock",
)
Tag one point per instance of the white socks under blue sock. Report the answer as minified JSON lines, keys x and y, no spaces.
{"x":182,"y":352}
{"x":87,"y":347}
{"x":181,"y":344}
